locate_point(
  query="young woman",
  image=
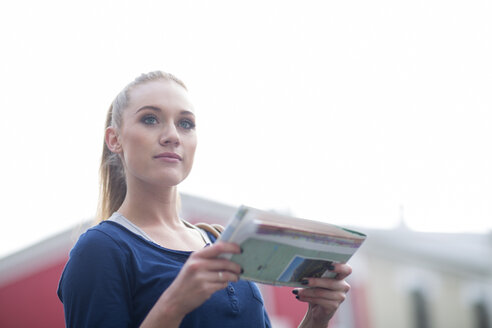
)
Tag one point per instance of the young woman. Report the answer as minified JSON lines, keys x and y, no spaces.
{"x":143,"y":266}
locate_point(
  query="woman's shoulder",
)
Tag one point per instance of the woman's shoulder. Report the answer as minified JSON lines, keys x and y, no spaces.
{"x":106,"y":235}
{"x":98,"y":259}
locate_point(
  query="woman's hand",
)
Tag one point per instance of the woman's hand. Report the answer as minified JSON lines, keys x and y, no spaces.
{"x":324,"y":296}
{"x":203,"y":274}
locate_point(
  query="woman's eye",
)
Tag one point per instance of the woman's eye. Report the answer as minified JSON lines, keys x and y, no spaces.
{"x":186,"y":124}
{"x":150,"y":120}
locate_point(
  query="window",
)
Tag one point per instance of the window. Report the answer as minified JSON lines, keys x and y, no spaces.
{"x":480,"y":315}
{"x":420,"y":309}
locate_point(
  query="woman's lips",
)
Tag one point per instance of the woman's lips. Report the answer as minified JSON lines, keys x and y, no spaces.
{"x":169,"y":157}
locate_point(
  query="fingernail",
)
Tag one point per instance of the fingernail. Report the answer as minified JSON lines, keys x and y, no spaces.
{"x":295,"y":291}
{"x":331,"y":267}
{"x":297,"y":297}
{"x":304,"y":282}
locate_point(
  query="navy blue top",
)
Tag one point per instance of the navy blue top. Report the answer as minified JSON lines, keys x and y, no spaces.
{"x":114,"y":277}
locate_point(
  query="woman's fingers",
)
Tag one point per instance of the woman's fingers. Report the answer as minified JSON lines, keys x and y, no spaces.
{"x":343,"y":270}
{"x":208,"y":259}
{"x":198,"y":264}
{"x":203,"y":274}
{"x":212,"y":281}
{"x":324,"y":301}
{"x":222,"y":277}
{"x":326,"y":293}
{"x":332,"y":290}
{"x":328,"y":283}
{"x":325,"y":288}
{"x":217,"y":249}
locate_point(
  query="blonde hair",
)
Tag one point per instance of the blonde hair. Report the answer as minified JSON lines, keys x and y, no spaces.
{"x":112,"y":181}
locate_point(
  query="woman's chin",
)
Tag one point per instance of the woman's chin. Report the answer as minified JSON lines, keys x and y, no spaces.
{"x":169,"y":180}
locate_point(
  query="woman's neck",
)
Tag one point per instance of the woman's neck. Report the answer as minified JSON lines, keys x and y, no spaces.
{"x":156,"y":213}
{"x":151,"y":206}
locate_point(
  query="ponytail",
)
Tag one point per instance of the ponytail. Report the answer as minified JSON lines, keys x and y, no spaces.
{"x":111,"y":179}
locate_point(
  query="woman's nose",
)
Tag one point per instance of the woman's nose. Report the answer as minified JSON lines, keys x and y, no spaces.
{"x":169,"y":135}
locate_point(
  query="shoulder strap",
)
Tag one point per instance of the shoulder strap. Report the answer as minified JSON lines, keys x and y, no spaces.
{"x":214,"y":229}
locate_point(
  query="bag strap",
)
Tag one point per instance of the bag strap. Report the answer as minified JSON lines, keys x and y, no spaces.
{"x":215,"y":229}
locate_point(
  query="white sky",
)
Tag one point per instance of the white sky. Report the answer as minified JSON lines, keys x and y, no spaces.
{"x":343,"y":111}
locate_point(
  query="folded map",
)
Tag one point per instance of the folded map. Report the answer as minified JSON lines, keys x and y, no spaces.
{"x":284,"y":250}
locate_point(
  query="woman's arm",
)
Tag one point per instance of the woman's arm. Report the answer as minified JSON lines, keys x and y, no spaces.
{"x":203,"y":274}
{"x":94,"y":285}
{"x":324,"y":296}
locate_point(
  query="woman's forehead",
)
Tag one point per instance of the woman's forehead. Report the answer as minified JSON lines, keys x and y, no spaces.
{"x":161,"y":92}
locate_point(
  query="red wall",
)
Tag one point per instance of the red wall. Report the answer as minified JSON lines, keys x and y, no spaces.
{"x":287,"y":306}
{"x":31,"y":301}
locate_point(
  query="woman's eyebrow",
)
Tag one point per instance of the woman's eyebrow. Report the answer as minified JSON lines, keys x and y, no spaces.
{"x":157,"y":109}
{"x":154,"y":108}
{"x":187,"y":112}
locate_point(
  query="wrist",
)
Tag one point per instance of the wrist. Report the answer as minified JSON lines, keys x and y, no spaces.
{"x":309,"y":321}
{"x":164,"y":313}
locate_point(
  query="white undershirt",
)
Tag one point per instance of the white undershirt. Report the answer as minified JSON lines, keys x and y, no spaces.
{"x":120,"y":219}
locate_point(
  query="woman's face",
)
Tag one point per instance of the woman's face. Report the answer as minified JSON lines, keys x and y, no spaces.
{"x":157,"y":139}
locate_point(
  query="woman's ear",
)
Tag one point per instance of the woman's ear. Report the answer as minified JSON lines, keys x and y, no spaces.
{"x":112,"y":140}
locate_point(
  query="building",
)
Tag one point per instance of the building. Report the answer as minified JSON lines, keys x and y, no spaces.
{"x":424,"y":280}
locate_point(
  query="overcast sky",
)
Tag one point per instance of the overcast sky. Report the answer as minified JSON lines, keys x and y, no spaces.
{"x":354,"y":112}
